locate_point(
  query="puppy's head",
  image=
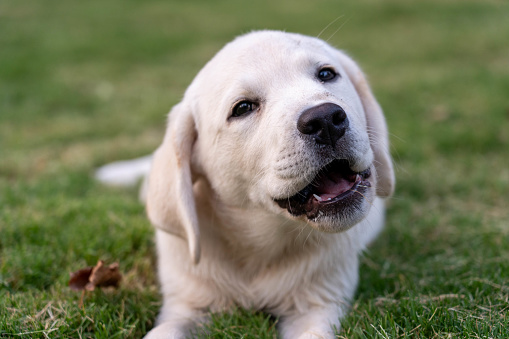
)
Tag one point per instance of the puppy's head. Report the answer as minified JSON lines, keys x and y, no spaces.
{"x":278,"y":122}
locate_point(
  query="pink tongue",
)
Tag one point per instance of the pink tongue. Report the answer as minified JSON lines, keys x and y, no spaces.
{"x":331,"y":185}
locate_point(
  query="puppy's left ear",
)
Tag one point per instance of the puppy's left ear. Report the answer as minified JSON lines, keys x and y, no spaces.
{"x":377,"y":127}
{"x":171,"y":206}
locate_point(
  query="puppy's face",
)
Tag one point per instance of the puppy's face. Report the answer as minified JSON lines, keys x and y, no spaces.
{"x":281,"y":127}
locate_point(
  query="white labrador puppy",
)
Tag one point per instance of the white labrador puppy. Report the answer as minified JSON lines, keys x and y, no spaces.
{"x":277,"y":150}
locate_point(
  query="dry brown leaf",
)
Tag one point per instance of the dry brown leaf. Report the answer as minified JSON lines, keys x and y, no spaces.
{"x":104,"y":276}
{"x":98,"y":276}
{"x":79,"y":279}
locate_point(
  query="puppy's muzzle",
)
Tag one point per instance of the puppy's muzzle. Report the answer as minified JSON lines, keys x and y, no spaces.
{"x":325,"y":123}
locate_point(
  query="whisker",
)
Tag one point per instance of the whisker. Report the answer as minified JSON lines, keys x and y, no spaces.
{"x":310,"y":231}
{"x":337,"y":30}
{"x":333,"y":21}
{"x":298,"y":235}
{"x":369,"y":202}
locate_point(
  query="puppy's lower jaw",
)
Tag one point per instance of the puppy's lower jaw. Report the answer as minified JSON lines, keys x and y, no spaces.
{"x":336,"y":195}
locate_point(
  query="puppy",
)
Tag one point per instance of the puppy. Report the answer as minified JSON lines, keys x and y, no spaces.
{"x":269,"y":183}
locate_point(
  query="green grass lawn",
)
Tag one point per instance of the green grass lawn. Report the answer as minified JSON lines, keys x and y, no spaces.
{"x":86,"y":83}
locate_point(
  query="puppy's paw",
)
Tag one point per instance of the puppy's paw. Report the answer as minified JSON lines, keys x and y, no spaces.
{"x":317,"y":324}
{"x":167,"y":331}
{"x":317,"y":334}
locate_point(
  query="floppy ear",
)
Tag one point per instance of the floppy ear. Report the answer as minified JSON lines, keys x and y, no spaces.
{"x":170,"y":200}
{"x":377,"y":128}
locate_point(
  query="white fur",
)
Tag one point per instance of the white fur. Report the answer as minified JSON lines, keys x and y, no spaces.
{"x":124,"y":173}
{"x":222,"y":241}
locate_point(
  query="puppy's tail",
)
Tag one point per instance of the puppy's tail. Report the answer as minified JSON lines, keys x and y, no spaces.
{"x":124,"y":173}
{"x":127,"y":173}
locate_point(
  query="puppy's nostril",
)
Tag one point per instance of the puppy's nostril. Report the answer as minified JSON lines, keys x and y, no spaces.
{"x":313,"y":127}
{"x":335,"y":119}
{"x":338,"y":117}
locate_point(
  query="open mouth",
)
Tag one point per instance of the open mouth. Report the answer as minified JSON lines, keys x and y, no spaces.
{"x":335,"y":187}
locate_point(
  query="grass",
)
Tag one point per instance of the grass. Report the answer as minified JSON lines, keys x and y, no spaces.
{"x":85,"y":83}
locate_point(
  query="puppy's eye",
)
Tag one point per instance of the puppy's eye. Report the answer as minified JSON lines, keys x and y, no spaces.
{"x":244,"y":107}
{"x":326,"y":74}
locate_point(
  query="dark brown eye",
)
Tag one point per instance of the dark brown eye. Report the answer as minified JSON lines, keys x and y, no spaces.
{"x":243,"y":108}
{"x":326,"y":74}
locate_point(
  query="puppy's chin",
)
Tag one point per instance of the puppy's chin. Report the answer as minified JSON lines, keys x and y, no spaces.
{"x":330,"y":222}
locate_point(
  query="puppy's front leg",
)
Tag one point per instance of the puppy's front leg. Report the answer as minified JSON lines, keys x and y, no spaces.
{"x":315,"y":324}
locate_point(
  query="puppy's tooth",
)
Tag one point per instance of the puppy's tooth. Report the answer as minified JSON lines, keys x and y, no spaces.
{"x":317,"y":197}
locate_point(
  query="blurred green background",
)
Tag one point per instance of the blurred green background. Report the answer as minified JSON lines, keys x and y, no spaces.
{"x":86,"y":83}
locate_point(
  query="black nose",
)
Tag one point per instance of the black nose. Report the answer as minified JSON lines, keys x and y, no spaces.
{"x":326,"y":123}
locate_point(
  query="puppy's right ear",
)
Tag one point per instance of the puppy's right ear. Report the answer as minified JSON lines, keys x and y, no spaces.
{"x":170,"y":200}
{"x":377,"y":127}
